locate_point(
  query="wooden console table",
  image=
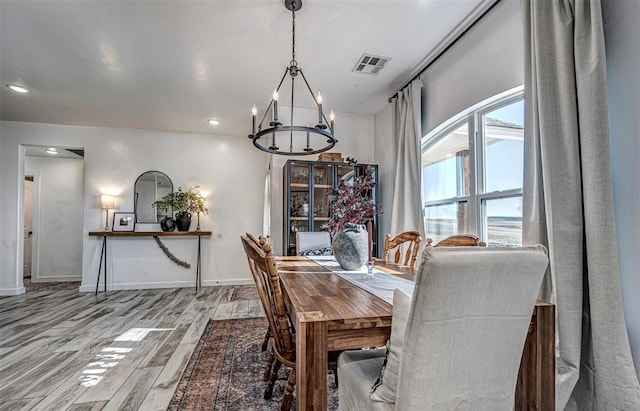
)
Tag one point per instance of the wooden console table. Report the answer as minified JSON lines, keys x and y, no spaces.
{"x":107,"y":234}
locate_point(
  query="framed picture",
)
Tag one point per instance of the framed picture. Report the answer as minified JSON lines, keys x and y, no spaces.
{"x":124,"y":221}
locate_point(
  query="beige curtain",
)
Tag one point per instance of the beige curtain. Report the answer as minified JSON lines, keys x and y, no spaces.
{"x":406,"y":208}
{"x":568,"y":202}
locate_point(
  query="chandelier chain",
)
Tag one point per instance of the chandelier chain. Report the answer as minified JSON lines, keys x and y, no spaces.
{"x":293,"y":35}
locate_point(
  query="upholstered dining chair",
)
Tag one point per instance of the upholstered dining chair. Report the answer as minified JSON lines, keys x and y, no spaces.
{"x":457,"y":342}
{"x":313,"y":242}
{"x":409,"y":241}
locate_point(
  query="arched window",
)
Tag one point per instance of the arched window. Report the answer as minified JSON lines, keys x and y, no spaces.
{"x":472,"y":169}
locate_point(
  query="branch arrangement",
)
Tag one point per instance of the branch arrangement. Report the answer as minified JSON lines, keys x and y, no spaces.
{"x":352,"y":203}
{"x":170,"y":255}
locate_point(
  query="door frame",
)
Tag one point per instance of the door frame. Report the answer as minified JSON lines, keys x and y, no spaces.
{"x":35,"y":239}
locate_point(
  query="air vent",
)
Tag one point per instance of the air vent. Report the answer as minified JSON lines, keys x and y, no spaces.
{"x":372,"y":65}
{"x":78,"y":152}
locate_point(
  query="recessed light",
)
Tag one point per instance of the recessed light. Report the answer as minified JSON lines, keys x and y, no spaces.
{"x":213,"y":122}
{"x":52,"y":150}
{"x":18,"y":89}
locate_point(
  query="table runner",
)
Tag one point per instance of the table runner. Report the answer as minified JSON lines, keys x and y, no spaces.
{"x":382,"y":285}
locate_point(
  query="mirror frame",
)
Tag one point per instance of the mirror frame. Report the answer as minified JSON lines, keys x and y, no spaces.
{"x":135,"y":195}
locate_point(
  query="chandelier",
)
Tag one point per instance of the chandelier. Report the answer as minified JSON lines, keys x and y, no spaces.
{"x":300,"y":139}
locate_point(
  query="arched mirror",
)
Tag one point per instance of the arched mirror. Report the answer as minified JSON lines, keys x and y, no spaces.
{"x":149,"y":187}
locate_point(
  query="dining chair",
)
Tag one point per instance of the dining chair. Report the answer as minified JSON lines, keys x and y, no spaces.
{"x":461,"y":341}
{"x":458,"y":240}
{"x":409,"y":241}
{"x":313,"y":242}
{"x":262,"y":294}
{"x":263,"y":268}
{"x":260,"y":241}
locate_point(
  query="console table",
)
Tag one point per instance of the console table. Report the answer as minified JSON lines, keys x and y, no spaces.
{"x":107,"y":234}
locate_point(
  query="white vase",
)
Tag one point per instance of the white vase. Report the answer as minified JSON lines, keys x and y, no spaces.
{"x":351,"y":246}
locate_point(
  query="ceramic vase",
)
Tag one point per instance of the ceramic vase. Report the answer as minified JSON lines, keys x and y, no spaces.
{"x":350,"y":246}
{"x":167,"y":224}
{"x":183,"y":221}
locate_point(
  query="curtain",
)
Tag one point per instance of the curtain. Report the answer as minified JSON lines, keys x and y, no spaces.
{"x":406,"y":208}
{"x":568,"y":201}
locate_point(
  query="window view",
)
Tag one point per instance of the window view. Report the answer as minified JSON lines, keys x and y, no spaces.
{"x":472,"y":171}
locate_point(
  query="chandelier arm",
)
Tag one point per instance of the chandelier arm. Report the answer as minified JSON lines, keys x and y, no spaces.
{"x":314,"y":99}
{"x":271,"y":101}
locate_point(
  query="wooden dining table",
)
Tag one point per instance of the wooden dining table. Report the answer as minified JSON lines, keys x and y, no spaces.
{"x":332,"y":314}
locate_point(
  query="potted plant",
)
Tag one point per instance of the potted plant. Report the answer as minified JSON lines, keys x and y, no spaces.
{"x":184,"y":204}
{"x":350,"y":205}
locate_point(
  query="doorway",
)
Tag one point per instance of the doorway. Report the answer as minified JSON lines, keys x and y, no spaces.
{"x":53,"y":218}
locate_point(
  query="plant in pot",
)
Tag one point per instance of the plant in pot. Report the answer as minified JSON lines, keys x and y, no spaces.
{"x":350,"y":205}
{"x":184,"y":204}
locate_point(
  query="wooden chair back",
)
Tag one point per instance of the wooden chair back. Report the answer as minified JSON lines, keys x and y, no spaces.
{"x":265,"y":274}
{"x":412,"y":249}
{"x":459,"y":240}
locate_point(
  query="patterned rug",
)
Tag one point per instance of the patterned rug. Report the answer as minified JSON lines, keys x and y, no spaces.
{"x":225,"y":371}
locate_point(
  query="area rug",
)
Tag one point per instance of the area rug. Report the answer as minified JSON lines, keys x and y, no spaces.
{"x":225,"y":371}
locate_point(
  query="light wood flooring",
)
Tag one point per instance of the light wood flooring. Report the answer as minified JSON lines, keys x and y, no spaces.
{"x":126,"y":350}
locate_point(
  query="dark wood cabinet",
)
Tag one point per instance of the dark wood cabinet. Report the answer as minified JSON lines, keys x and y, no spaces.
{"x":306,"y":207}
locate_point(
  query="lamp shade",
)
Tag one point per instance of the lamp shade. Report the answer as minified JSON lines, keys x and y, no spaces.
{"x":107,"y":201}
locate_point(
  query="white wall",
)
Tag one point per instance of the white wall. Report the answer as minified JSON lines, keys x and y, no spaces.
{"x":57,"y":219}
{"x":228,"y":169}
{"x":385,"y":158}
{"x":486,"y":61}
{"x":623,"y":66}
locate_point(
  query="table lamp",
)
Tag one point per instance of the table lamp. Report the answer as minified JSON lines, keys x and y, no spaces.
{"x":107,"y":202}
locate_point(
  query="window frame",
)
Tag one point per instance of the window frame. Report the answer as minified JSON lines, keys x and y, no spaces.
{"x":477,"y":198}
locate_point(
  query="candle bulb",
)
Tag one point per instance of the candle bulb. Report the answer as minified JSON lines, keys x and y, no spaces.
{"x":332,"y":116}
{"x":254,"y":112}
{"x":275,"y":106}
{"x":370,"y":233}
{"x":319,"y":100}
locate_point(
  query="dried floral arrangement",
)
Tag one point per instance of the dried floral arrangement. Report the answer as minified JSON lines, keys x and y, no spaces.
{"x":351,"y":203}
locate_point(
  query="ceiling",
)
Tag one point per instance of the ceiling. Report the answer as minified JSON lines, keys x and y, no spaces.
{"x":171,"y":65}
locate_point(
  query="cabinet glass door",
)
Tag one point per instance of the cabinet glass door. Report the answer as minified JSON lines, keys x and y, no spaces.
{"x":299,"y":208}
{"x":322,"y":182}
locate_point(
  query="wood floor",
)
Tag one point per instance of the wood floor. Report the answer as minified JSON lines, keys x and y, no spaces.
{"x":126,"y":350}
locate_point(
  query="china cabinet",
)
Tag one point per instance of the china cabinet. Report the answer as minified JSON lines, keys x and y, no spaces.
{"x":306,"y":207}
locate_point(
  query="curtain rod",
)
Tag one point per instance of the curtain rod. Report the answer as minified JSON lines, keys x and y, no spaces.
{"x":458,"y":37}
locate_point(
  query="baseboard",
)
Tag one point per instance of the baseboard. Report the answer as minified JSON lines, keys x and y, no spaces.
{"x":177,"y":284}
{"x":12,"y":291}
{"x":56,"y":279}
{"x":219,"y":283}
